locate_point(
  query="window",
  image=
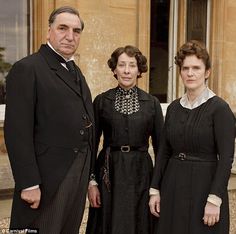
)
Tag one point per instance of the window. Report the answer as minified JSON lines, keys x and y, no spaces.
{"x":197,"y":20}
{"x":159,"y":49}
{"x":14,"y":36}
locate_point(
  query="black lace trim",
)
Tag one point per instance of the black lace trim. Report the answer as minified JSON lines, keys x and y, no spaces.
{"x":126,"y":101}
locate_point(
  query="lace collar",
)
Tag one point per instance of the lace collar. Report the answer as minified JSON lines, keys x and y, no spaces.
{"x":126,"y":101}
{"x":202,"y":98}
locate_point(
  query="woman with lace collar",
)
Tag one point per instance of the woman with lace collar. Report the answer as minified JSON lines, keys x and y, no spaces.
{"x":189,"y":186}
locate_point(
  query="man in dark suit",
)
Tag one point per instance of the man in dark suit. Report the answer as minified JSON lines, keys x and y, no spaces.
{"x":49,"y":131}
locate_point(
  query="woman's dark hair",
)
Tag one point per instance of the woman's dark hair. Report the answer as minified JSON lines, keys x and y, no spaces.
{"x":131,"y":51}
{"x":64,"y":9}
{"x":193,"y":47}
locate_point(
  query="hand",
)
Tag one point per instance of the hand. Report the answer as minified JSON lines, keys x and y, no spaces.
{"x":154,"y":204}
{"x":32,"y":197}
{"x":211,"y":214}
{"x":94,"y":196}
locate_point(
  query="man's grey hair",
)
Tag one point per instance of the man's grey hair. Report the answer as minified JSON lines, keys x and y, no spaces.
{"x":64,"y":9}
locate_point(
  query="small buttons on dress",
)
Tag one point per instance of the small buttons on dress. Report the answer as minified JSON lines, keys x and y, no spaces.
{"x":187,"y":112}
{"x":81,"y":132}
{"x":76,"y":150}
{"x":84,"y":116}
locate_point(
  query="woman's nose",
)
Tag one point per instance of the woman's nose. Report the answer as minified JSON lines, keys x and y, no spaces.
{"x":190,"y":72}
{"x":127,"y":69}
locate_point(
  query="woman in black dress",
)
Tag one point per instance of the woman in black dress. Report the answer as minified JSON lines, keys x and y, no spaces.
{"x":127,"y":117}
{"x":189,"y":185}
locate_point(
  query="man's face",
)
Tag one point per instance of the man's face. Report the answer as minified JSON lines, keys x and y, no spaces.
{"x":64,"y":34}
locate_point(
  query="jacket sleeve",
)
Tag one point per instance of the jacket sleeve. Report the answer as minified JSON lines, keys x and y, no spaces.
{"x":163,"y":155}
{"x":224,"y":133}
{"x":98,"y":133}
{"x":157,"y":126}
{"x":19,"y":125}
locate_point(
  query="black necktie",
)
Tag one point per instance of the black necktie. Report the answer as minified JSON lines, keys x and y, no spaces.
{"x":72,"y":68}
{"x":70,"y":64}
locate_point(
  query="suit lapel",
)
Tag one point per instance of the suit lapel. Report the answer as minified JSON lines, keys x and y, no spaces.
{"x":86,"y":95}
{"x":65,"y":76}
{"x":60,"y":71}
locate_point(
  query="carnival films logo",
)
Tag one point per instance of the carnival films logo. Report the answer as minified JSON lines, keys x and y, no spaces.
{"x":19,"y":231}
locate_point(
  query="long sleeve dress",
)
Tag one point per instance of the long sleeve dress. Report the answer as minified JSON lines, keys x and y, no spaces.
{"x":124,"y":177}
{"x":194,"y":160}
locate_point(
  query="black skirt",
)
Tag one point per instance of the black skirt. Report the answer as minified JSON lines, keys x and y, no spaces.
{"x":185,"y":188}
{"x":124,"y":209}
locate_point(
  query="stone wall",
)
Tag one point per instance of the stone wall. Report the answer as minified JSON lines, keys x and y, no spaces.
{"x":232,"y":202}
{"x":6,"y":179}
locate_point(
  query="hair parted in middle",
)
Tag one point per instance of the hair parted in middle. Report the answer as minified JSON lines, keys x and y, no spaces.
{"x":131,"y":51}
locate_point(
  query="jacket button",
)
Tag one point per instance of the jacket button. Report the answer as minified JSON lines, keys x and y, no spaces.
{"x":76,"y":150}
{"x":81,"y":132}
{"x":84,"y":116}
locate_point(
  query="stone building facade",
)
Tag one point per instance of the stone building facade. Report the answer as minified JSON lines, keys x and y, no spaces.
{"x":113,"y":23}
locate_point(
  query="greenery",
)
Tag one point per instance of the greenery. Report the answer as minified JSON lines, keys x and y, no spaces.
{"x":4,"y":66}
{"x":4,"y":69}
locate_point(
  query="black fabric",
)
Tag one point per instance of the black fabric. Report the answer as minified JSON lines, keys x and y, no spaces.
{"x":51,"y":130}
{"x":125,"y":207}
{"x":60,"y":216}
{"x":76,"y":74}
{"x":56,"y":55}
{"x":185,"y":185}
{"x":128,"y":148}
{"x":194,"y":157}
{"x":72,"y":68}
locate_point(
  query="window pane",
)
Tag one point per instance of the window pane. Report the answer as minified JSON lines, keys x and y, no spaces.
{"x":197,"y":20}
{"x":159,"y":49}
{"x":14,"y":39}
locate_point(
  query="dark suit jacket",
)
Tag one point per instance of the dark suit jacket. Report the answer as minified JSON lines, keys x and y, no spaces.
{"x":45,"y":112}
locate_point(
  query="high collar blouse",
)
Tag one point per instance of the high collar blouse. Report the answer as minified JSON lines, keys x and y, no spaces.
{"x":202,"y":98}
